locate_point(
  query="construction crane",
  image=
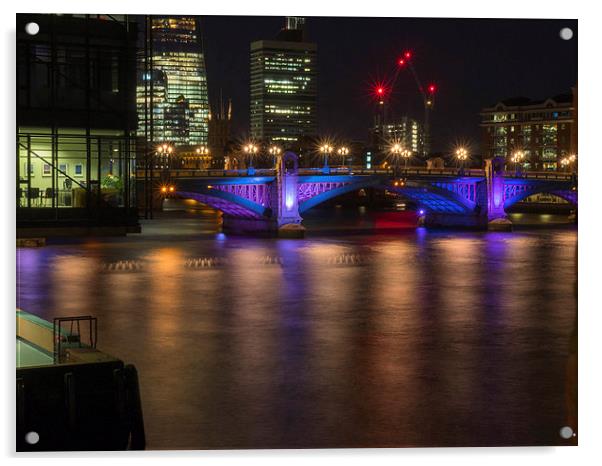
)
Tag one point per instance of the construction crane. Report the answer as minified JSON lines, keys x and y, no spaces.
{"x":427,"y":93}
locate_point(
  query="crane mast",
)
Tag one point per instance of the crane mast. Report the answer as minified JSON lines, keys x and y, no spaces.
{"x":428,"y":98}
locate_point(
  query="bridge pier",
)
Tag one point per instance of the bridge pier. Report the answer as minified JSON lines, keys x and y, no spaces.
{"x":283,"y":218}
{"x":494,"y":177}
{"x":285,"y":199}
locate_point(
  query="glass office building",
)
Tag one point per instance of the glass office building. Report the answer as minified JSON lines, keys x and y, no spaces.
{"x":171,"y":93}
{"x":284,"y":87}
{"x":76,"y":122}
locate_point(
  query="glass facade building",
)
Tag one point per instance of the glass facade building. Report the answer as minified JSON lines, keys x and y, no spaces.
{"x":284,"y":88}
{"x":172,"y":99}
{"x":76,"y":122}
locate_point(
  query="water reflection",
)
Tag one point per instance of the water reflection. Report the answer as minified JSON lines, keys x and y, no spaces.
{"x":432,"y":338}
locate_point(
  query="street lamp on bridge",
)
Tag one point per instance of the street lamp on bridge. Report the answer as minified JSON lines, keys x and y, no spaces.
{"x":164,"y":151}
{"x":343,"y":152}
{"x":202,"y":154}
{"x":462,"y":156}
{"x":251,"y":150}
{"x":517,"y":158}
{"x":395,"y":149}
{"x":398,"y":151}
{"x":569,"y":161}
{"x":406,"y":154}
{"x":326,"y":150}
{"x":275,"y":152}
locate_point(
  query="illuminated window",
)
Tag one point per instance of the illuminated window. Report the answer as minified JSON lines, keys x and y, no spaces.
{"x":549,"y":154}
{"x":550,"y":134}
{"x":549,"y":166}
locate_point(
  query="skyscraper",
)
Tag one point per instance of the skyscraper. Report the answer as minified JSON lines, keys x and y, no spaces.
{"x":176,"y":79}
{"x":284,"y":87}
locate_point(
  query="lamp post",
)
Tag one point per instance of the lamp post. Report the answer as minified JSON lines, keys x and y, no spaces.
{"x":343,"y":152}
{"x":164,"y":151}
{"x":517,"y":158}
{"x":251,"y":150}
{"x":275,"y":152}
{"x":202,"y":153}
{"x":462,"y":156}
{"x":406,"y":154}
{"x":568,"y":162}
{"x":573,"y":163}
{"x":396,"y":150}
{"x":326,"y":149}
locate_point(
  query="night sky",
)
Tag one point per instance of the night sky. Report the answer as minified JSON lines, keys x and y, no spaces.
{"x":473,"y":62}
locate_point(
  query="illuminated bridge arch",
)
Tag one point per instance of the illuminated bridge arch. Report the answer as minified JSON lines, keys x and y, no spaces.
{"x":435,"y":199}
{"x":515,"y":191}
{"x":316,"y":190}
{"x":229,"y":204}
{"x":245,"y":198}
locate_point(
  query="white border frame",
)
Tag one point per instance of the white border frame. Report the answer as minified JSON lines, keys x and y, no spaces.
{"x":590,"y":253}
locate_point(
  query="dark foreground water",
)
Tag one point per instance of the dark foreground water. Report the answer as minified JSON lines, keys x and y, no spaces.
{"x":399,"y":338}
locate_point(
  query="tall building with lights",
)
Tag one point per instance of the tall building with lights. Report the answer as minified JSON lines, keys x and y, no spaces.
{"x":404,"y":130}
{"x":543,"y":130}
{"x":172,"y":85}
{"x":284,"y":89}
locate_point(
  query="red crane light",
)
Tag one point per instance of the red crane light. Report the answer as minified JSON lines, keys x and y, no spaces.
{"x":408,"y":54}
{"x":401,"y":62}
{"x":380,"y":90}
{"x":432,"y":88}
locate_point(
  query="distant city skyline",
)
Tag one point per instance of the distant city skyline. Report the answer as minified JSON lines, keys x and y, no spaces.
{"x":521,"y":58}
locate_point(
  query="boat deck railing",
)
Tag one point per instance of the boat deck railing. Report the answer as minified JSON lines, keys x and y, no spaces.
{"x":73,"y":337}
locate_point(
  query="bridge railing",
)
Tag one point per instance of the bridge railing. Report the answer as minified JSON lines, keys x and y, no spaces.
{"x":441,"y":171}
{"x":540,"y":175}
{"x":200,"y":173}
{"x":360,"y":170}
{"x":353,"y":170}
{"x":344,"y":171}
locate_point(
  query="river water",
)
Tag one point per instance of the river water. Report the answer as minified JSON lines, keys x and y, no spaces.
{"x":400,"y":337}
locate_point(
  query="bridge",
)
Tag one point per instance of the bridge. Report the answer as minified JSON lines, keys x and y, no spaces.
{"x":274,"y":200}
